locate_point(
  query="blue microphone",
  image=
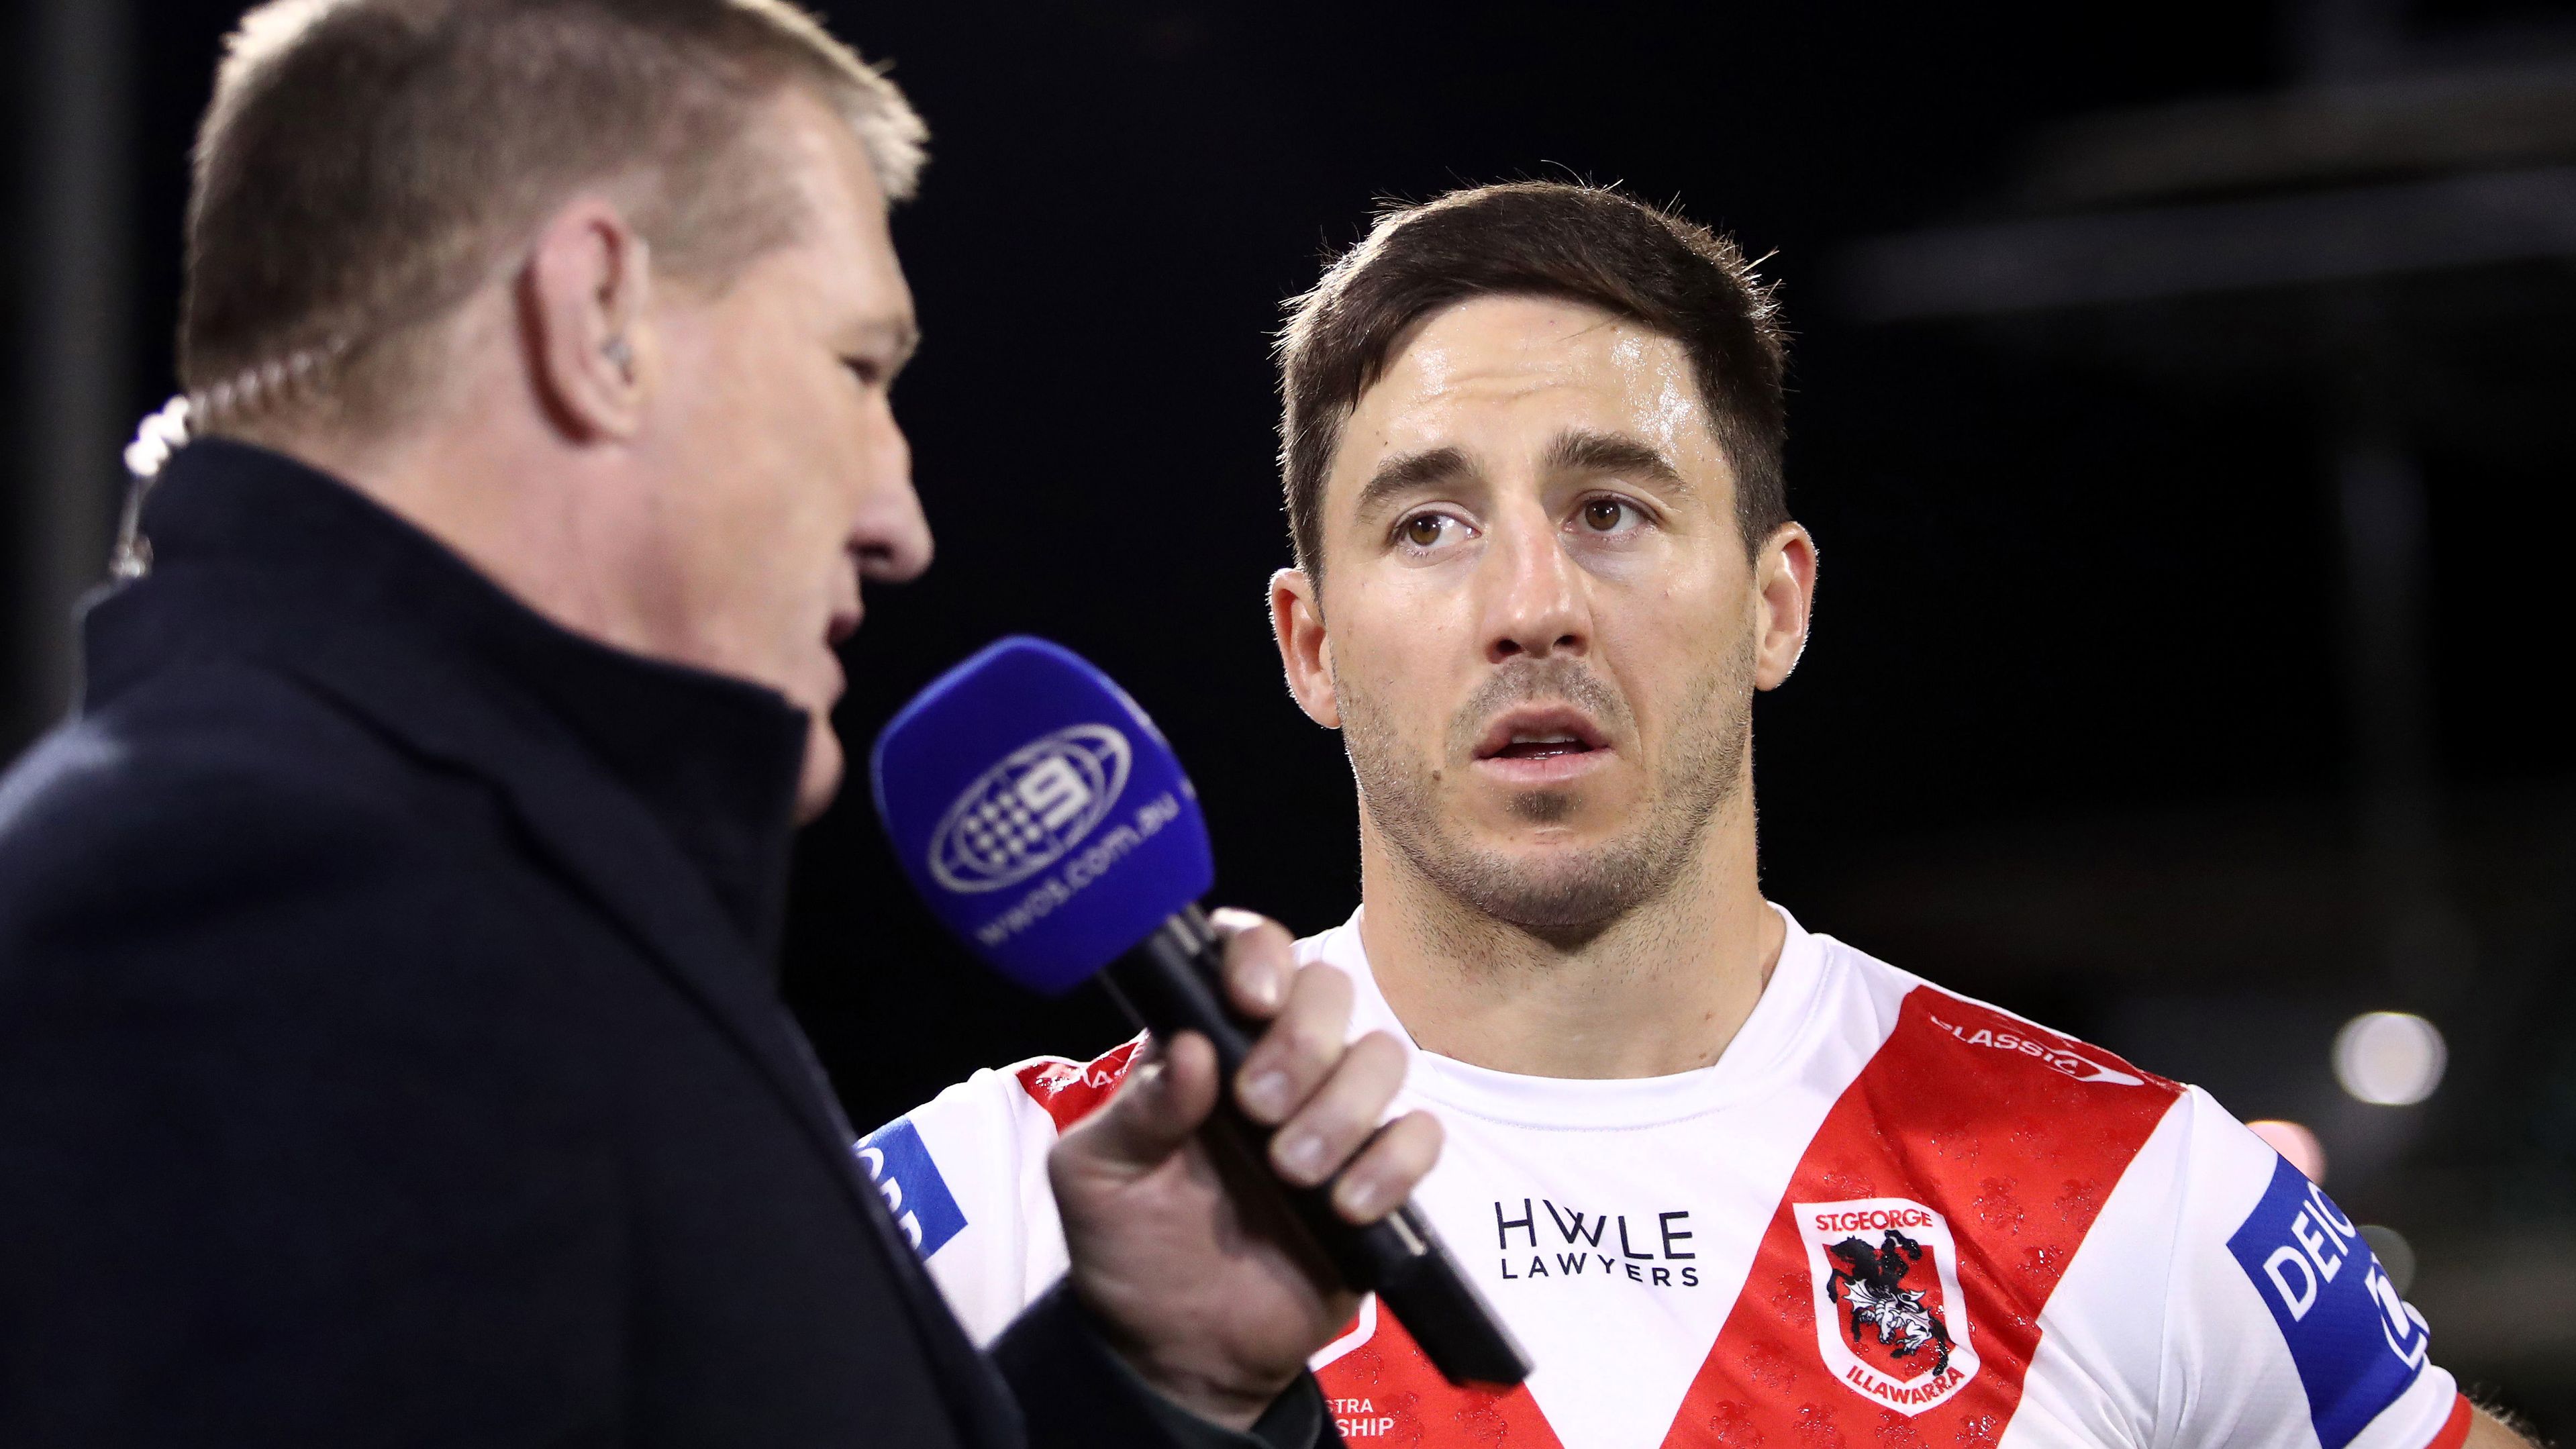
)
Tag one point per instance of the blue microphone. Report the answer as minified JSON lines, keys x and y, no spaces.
{"x":1048,"y":823}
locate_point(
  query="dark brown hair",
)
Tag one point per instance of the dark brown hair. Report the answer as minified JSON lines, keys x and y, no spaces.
{"x":366,"y":164}
{"x":1583,"y":244}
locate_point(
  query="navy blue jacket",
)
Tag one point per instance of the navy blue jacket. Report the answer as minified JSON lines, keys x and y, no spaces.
{"x":390,"y":1050}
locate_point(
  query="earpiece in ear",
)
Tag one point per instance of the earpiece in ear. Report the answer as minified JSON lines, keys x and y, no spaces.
{"x":620,"y":354}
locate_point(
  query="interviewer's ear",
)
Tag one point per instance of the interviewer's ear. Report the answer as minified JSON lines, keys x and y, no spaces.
{"x":1784,"y":579}
{"x":1304,"y":652}
{"x":582,"y":302}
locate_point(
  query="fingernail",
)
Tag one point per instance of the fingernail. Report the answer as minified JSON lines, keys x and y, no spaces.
{"x":1359,"y":1198}
{"x":1302,"y":1158}
{"x":1266,"y":1096}
{"x":1265,"y":991}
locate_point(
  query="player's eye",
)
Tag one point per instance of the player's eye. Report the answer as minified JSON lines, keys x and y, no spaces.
{"x":1609,"y":515}
{"x":866,"y":369}
{"x":1425,"y":531}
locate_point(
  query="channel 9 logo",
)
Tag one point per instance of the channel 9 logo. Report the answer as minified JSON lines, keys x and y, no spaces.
{"x":1022,"y":815}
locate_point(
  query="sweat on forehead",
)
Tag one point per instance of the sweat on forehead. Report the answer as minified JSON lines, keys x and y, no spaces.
{"x":1555,"y":360}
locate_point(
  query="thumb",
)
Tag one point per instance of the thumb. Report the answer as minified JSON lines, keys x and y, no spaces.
{"x":1155,"y":1111}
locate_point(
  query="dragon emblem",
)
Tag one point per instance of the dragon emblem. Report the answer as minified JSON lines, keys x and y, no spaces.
{"x":1870,"y":1282}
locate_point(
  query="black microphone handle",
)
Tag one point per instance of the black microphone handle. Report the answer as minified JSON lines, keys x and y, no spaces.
{"x":1173,"y":983}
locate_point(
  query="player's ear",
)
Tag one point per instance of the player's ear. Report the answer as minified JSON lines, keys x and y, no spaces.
{"x":1784,"y":582}
{"x":1297,"y":621}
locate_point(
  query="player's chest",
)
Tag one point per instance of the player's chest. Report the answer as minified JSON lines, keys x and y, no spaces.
{"x":1808,"y":1269}
{"x":1615,"y":1256}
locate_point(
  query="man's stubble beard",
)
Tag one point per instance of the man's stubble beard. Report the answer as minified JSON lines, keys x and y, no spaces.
{"x":1573,"y":895}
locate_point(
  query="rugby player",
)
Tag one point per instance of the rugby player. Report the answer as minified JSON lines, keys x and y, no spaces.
{"x":1731,"y":1181}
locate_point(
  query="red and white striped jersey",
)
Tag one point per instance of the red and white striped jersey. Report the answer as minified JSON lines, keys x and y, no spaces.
{"x":1887,"y":1217}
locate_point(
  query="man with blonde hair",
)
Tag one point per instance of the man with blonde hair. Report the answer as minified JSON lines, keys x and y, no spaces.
{"x":389,"y":1043}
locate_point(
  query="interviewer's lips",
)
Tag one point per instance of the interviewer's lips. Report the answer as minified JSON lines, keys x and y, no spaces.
{"x":831,"y":676}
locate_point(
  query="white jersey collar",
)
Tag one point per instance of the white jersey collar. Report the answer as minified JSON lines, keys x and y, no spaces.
{"x":1780,"y":1030}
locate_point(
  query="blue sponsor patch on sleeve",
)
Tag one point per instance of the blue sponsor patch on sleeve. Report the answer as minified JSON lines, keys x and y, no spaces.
{"x":900,"y":1166}
{"x":2356,"y":1343}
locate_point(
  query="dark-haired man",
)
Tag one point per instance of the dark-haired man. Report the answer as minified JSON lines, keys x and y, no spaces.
{"x":389,"y":1046}
{"x":1731,"y":1182}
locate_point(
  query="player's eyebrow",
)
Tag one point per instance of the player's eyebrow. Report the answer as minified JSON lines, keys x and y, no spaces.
{"x":1411,"y":473}
{"x":1579,"y":450}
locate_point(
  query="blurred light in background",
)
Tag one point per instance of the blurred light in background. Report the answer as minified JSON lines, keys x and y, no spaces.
{"x":2296,"y":1144}
{"x":2396,"y":1255}
{"x":2389,"y":1058}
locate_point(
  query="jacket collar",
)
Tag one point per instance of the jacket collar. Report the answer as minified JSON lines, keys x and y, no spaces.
{"x":715,"y":761}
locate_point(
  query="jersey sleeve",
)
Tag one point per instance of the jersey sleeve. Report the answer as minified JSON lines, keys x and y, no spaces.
{"x":2280,"y":1326}
{"x":966,"y":1177}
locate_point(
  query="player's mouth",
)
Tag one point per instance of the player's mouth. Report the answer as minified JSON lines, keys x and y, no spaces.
{"x":1541,"y":745}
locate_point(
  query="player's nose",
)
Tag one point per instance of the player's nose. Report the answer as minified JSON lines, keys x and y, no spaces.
{"x":1535,"y":604}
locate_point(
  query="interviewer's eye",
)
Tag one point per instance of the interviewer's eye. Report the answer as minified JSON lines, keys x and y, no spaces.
{"x":1423,"y":531}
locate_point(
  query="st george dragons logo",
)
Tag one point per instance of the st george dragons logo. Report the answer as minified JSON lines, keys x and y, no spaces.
{"x":1871,"y":1283}
{"x":1890,"y":1320}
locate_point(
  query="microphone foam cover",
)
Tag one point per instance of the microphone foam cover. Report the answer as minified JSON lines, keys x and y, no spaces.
{"x":1039,"y":812}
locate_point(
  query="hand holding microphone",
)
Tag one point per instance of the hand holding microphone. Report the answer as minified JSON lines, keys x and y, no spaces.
{"x":1226,"y":1296}
{"x":1046,"y":822}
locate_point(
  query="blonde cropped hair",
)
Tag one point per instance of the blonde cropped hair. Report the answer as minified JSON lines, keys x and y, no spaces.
{"x":366,"y":165}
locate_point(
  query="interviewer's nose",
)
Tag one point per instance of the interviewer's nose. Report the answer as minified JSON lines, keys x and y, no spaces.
{"x":891,"y":538}
{"x":1535,"y":604}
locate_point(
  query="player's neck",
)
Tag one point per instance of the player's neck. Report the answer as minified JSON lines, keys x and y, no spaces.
{"x":1662,"y":989}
